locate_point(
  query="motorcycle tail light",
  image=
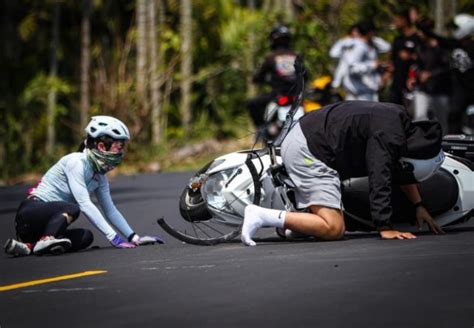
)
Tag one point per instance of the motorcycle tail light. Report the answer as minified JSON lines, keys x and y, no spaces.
{"x":282,"y":101}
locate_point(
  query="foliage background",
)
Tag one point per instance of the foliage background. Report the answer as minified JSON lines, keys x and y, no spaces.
{"x":229,"y":40}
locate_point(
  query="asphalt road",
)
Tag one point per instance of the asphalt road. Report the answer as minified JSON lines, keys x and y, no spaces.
{"x":358,"y":282}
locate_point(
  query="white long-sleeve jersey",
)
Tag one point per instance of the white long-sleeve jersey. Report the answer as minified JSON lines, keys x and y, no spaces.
{"x":72,"y":179}
{"x":351,"y":51}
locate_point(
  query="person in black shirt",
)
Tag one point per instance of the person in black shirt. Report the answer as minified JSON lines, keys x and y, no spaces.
{"x":403,"y":55}
{"x":431,"y":78}
{"x":462,"y":72}
{"x":277,"y":71}
{"x":352,"y":139}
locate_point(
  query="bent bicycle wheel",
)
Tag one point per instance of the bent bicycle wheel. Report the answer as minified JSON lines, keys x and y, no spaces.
{"x":226,"y":208}
{"x":201,"y":233}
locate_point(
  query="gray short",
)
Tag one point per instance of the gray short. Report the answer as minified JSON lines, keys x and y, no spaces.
{"x":316,"y":183}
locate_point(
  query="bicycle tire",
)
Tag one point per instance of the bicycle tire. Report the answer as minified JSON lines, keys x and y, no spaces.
{"x":221,"y":237}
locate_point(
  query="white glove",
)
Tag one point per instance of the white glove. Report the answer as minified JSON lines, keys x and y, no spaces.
{"x":146,"y":240}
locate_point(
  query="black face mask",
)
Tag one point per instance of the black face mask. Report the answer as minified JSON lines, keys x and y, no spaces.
{"x":403,"y":174}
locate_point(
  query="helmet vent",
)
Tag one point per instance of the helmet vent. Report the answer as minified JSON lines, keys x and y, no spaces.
{"x":107,"y":126}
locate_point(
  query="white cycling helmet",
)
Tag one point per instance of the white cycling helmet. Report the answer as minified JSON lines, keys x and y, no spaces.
{"x":423,"y":169}
{"x":107,"y":126}
{"x":464,"y":26}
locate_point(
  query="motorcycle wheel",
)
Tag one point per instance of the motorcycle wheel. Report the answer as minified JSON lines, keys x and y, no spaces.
{"x":192,"y":206}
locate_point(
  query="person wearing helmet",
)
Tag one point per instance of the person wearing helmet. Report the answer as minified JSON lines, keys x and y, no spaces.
{"x":461,"y":48}
{"x":277,"y":71}
{"x":43,"y":218}
{"x":352,"y":139}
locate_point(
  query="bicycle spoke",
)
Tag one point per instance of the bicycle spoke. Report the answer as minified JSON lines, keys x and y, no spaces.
{"x":212,"y":228}
{"x":194,"y":229}
{"x":204,"y":232}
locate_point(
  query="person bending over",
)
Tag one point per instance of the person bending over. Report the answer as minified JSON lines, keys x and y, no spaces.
{"x":352,"y":139}
{"x":43,"y":218}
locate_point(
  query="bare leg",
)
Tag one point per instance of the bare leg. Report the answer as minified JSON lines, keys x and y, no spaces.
{"x":323,"y":222}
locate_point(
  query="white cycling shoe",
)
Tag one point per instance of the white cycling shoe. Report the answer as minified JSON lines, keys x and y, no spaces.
{"x":51,"y":245}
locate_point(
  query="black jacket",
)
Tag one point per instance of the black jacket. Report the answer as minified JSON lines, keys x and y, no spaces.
{"x":462,"y":59}
{"x":435,"y":60}
{"x":361,"y":138}
{"x":278,"y":71}
{"x":401,"y":67}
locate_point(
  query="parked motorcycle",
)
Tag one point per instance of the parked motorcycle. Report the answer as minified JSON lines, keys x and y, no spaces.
{"x":321,"y":93}
{"x":460,"y":145}
{"x":276,"y":112}
{"x":468,"y":120}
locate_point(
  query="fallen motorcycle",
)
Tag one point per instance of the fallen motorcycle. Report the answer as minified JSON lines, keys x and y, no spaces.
{"x":212,"y":204}
{"x":218,"y":194}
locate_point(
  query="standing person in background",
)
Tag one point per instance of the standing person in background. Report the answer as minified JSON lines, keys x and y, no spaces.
{"x":342,"y":47}
{"x":403,"y":55}
{"x":361,"y":78}
{"x":461,"y":49}
{"x":431,"y":78}
{"x":462,"y":63}
{"x":43,"y":218}
{"x":339,"y":50}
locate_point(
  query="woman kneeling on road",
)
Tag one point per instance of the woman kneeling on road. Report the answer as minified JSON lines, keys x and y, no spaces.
{"x":43,"y":218}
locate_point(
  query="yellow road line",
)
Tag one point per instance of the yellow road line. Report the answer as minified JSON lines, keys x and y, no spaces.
{"x":7,"y":288}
